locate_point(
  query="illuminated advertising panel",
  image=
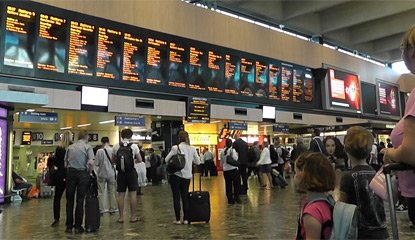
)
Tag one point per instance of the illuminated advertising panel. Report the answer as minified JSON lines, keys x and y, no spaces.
{"x":388,"y":98}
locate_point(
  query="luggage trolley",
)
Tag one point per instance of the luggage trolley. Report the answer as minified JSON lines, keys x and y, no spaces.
{"x":387,"y":170}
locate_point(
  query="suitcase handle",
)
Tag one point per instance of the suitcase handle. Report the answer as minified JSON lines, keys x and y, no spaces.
{"x":388,"y":168}
{"x":193,"y":181}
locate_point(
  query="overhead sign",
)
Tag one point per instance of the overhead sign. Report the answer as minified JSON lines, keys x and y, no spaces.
{"x":238,"y":126}
{"x":198,"y":110}
{"x":281,"y":128}
{"x":37,"y":136}
{"x":38,"y":117}
{"x":130,"y":121}
{"x":26,"y":138}
{"x":47,"y":142}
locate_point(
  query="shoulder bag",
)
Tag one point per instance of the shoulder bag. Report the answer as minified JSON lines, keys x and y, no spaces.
{"x":230,"y":160}
{"x":176,"y":162}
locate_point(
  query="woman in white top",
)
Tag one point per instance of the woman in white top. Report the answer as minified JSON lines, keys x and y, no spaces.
{"x":231,"y":174}
{"x":264,"y":164}
{"x":180,"y":180}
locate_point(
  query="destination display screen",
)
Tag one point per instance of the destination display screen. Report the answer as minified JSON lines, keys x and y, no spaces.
{"x":198,"y":110}
{"x":232,"y":74}
{"x":109,"y":53}
{"x":157,"y":61}
{"x":178,"y":65}
{"x":308,"y":86}
{"x":261,"y":80}
{"x":216,"y":68}
{"x":274,"y":86}
{"x":286,"y":81}
{"x":197,"y":69}
{"x":51,"y":43}
{"x":19,"y":47}
{"x":81,"y":49}
{"x":134,"y":55}
{"x":298,"y":80}
{"x":247,"y":81}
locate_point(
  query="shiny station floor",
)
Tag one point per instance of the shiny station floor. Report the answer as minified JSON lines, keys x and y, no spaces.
{"x":264,"y":214}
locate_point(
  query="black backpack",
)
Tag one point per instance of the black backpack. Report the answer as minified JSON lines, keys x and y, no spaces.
{"x":284,"y":154}
{"x":125,"y":158}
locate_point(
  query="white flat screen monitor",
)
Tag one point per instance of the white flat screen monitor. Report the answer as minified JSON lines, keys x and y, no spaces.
{"x":94,"y":96}
{"x":268,"y":112}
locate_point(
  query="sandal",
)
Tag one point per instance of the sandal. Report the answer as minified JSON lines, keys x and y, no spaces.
{"x":133,"y":220}
{"x":120,"y":221}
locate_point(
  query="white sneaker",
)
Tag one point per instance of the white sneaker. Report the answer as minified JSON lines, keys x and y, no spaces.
{"x":177,"y":222}
{"x":185,"y":222}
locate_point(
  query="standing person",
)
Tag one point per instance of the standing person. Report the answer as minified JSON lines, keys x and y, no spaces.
{"x":209,"y":163}
{"x":180,"y":180}
{"x":127,"y":177}
{"x":389,"y":143}
{"x":241,"y":147}
{"x":354,"y":186}
{"x":155,"y":161}
{"x":144,"y":170}
{"x":59,"y":177}
{"x":403,"y":135}
{"x":315,"y":176}
{"x":380,"y":152}
{"x":231,"y":174}
{"x":106,"y":176}
{"x":316,"y":145}
{"x":298,"y":150}
{"x":264,"y":164}
{"x":253,"y":158}
{"x":79,"y":159}
{"x":163,"y":154}
{"x":280,"y":159}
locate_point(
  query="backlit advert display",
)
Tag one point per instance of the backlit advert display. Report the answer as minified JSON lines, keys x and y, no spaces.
{"x":344,"y":90}
{"x":388,"y":99}
{"x":48,"y":43}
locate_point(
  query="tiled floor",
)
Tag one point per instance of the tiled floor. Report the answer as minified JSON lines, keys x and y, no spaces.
{"x":264,"y":214}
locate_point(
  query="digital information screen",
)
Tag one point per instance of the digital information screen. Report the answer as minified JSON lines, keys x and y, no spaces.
{"x":197,"y":69}
{"x":286,"y":81}
{"x":247,"y":83}
{"x":157,"y":61}
{"x":273,"y":81}
{"x":298,"y":80}
{"x":19,"y":37}
{"x":261,"y":74}
{"x":308,"y":86}
{"x":109,"y":53}
{"x":81,"y":49}
{"x":198,"y":110}
{"x":344,"y":90}
{"x":389,"y":103}
{"x":215,"y":72}
{"x":26,"y":138}
{"x":232,"y":74}
{"x":178,"y":63}
{"x":51,"y":43}
{"x":133,"y":58}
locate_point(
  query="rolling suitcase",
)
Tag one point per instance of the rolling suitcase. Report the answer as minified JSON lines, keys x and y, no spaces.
{"x":387,"y":170}
{"x":199,"y":204}
{"x":277,"y":179}
{"x":92,"y":213}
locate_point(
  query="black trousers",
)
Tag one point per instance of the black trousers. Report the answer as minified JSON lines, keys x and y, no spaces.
{"x":209,"y":168}
{"x":77,"y":181}
{"x":154,"y":177}
{"x":232,"y":185}
{"x":202,"y":168}
{"x":411,"y":209}
{"x":243,"y":170}
{"x":180,"y":189}
{"x":59,"y":190}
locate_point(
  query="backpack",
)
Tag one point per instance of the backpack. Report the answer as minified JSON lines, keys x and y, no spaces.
{"x":274,"y":155}
{"x":125,"y":158}
{"x":344,"y":221}
{"x":284,"y":154}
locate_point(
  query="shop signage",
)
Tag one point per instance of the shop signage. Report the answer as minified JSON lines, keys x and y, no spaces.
{"x":203,"y":139}
{"x":92,"y":137}
{"x":130,"y":121}
{"x":57,"y":137}
{"x":238,"y":126}
{"x":37,"y":136}
{"x":3,"y":153}
{"x":198,"y":110}
{"x":137,"y":137}
{"x":47,"y":142}
{"x":26,"y":138}
{"x":38,"y":117}
{"x":281,"y":128}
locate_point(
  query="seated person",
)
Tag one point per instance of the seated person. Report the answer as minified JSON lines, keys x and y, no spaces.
{"x":21,"y":184}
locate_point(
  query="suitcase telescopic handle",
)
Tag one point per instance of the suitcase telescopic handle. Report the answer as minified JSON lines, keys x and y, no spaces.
{"x":388,"y":168}
{"x":193,"y":181}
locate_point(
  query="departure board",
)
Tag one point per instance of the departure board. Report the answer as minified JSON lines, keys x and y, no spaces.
{"x":215,"y":71}
{"x":51,"y":43}
{"x":298,"y":79}
{"x":178,"y":63}
{"x":109,"y":53}
{"x":261,"y":72}
{"x":157,"y":61}
{"x":19,"y":47}
{"x":274,"y":71}
{"x":247,"y":83}
{"x":286,"y":80}
{"x":134,"y":55}
{"x":81,"y":49}
{"x":232,"y":74}
{"x":308,"y":86}
{"x":197,"y":68}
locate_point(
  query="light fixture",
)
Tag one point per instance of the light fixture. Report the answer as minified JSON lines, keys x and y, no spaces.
{"x":83,"y":125}
{"x":108,"y":121}
{"x":65,"y":128}
{"x":30,"y":110}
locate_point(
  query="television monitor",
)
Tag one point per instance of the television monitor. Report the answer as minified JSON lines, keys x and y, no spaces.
{"x":388,"y":98}
{"x":342,"y":91}
{"x":268,"y":112}
{"x":94,"y":99}
{"x":369,"y":98}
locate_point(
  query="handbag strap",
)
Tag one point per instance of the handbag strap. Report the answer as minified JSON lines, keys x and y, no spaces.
{"x":109,"y":159}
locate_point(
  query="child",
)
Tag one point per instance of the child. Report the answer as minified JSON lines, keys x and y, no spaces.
{"x":315,"y":176}
{"x":354,"y":185}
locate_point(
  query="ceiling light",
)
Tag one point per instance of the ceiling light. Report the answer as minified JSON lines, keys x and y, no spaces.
{"x":84,"y":125}
{"x":30,"y":110}
{"x":65,"y":128}
{"x":108,"y":121}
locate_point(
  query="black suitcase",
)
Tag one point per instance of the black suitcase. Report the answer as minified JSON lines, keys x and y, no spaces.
{"x":277,"y":179}
{"x":92,"y":213}
{"x":199,"y":204}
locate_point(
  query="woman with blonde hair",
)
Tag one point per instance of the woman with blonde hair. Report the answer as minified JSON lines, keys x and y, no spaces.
{"x":59,"y":177}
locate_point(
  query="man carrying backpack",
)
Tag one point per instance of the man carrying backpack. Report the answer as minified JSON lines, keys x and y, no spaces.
{"x":124,"y":155}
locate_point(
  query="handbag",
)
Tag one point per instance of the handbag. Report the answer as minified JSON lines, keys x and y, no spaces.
{"x":176,"y":162}
{"x":378,"y":185}
{"x":230,"y":160}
